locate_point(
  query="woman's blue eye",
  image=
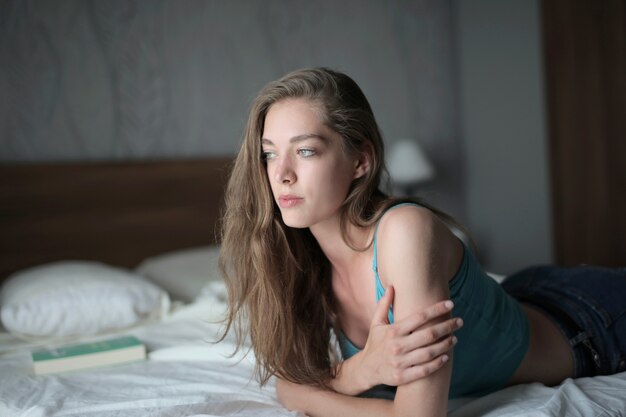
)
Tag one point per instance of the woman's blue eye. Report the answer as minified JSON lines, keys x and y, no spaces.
{"x":267,"y":155}
{"x":306,"y":152}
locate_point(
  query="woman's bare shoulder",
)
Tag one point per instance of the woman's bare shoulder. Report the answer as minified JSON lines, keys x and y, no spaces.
{"x":414,"y":237}
{"x":407,"y":222}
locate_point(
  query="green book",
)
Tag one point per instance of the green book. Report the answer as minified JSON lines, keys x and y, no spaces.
{"x":88,"y":355}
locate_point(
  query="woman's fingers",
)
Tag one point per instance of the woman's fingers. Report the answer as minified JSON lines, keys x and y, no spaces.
{"x":382,"y":308}
{"x":427,"y":337}
{"x":424,"y":361}
{"x":417,"y":320}
{"x":430,"y":334}
{"x":427,"y":354}
{"x":414,"y":373}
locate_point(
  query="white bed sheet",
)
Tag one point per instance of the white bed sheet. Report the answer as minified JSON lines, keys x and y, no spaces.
{"x":188,"y":376}
{"x":185,"y":375}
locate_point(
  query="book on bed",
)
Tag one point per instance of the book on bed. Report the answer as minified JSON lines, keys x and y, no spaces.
{"x":88,"y":355}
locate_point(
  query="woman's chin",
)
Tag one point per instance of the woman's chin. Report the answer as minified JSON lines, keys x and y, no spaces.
{"x":294,"y":221}
{"x":295,"y":224}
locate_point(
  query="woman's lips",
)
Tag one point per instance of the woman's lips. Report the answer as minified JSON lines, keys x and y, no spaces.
{"x":288,"y":201}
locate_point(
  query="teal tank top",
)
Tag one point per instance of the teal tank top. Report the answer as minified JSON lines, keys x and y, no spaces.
{"x":494,"y":337}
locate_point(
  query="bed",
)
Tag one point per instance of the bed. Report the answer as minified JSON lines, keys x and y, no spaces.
{"x":155,"y":223}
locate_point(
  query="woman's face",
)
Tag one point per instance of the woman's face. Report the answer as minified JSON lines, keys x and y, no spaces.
{"x":308,"y":171}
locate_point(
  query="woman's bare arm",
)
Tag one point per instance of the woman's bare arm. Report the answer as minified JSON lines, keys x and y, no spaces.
{"x":316,"y":402}
{"x":418,"y":255}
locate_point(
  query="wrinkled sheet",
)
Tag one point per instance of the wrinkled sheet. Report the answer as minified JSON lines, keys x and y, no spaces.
{"x":183,"y":388}
{"x":584,"y":397}
{"x":186,"y":375}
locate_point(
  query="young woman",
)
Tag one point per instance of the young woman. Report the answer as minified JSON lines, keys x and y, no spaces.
{"x":312,"y":248}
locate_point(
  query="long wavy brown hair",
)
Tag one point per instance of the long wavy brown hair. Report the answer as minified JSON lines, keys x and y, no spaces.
{"x":278,"y":278}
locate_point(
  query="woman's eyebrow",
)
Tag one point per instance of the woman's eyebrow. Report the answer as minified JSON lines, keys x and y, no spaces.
{"x":298,"y":138}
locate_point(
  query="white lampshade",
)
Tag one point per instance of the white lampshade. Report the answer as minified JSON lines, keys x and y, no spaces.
{"x":408,"y":164}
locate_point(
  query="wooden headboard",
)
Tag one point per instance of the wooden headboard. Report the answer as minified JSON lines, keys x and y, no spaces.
{"x":118,"y":213}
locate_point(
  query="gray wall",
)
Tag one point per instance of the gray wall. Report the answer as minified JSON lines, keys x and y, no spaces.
{"x":91,"y":79}
{"x":99,"y":80}
{"x":504,"y":131}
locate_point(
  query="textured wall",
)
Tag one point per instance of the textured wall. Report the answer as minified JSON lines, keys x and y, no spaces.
{"x":504,"y":129}
{"x":91,"y":79}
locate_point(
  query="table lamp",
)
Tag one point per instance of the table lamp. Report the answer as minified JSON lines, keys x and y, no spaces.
{"x":408,"y":166}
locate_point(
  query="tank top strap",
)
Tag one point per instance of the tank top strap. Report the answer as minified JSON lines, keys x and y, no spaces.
{"x":375,"y":260}
{"x":380,"y":290}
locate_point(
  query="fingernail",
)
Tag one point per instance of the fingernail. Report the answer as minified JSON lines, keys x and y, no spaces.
{"x":454,"y":340}
{"x":459,"y":322}
{"x":449,"y":304}
{"x":444,"y":358}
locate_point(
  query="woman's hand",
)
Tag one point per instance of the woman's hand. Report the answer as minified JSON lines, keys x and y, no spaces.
{"x":410,"y":349}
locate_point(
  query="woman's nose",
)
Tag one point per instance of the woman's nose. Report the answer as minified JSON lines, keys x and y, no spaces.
{"x":285,"y":173}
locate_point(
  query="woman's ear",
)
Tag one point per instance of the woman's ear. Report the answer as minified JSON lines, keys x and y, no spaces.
{"x":363,"y":163}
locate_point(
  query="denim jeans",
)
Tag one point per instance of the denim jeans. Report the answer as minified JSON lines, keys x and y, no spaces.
{"x":588,"y":304}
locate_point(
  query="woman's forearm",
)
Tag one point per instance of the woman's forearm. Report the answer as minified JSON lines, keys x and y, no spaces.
{"x":316,"y":402}
{"x":331,"y":404}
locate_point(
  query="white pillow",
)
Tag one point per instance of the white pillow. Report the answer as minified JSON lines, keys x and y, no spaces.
{"x":184,"y":274}
{"x":75,"y":298}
